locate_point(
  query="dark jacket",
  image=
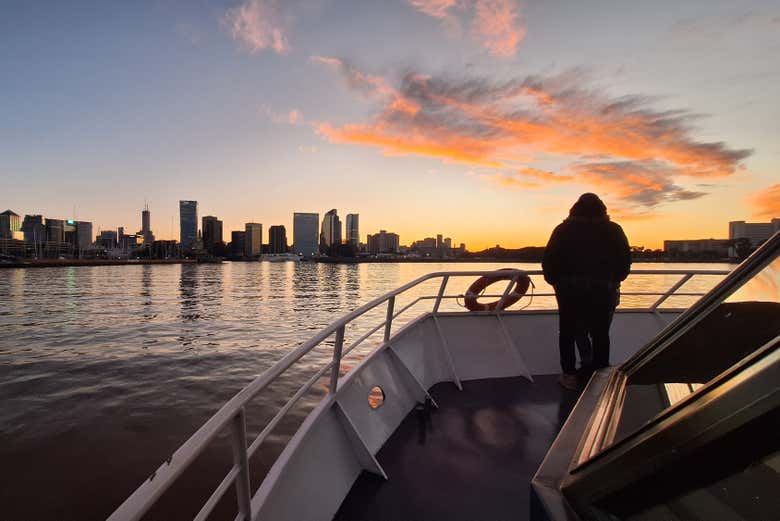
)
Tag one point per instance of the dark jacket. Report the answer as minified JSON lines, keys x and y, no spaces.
{"x":586,"y":250}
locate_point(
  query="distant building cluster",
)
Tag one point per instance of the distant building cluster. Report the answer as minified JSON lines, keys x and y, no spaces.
{"x":39,"y":237}
{"x":743,"y":238}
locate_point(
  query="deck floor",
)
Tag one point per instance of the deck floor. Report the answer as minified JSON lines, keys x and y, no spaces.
{"x":474,"y":460}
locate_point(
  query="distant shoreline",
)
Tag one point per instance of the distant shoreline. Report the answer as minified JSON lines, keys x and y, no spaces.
{"x":62,"y":263}
{"x":56,"y":263}
{"x":328,"y":260}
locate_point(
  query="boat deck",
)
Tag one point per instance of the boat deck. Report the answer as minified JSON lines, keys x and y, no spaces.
{"x":473,"y":459}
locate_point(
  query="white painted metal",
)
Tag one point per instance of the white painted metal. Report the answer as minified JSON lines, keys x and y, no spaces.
{"x":522,"y":367}
{"x":240,"y":460}
{"x":685,"y":278}
{"x":447,"y":353}
{"x":389,"y":319}
{"x":334,"y":376}
{"x":433,"y":348}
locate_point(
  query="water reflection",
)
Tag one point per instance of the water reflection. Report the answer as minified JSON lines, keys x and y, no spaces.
{"x":106,"y":353}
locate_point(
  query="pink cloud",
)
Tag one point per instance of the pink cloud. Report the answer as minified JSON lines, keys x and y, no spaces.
{"x":496,"y":24}
{"x":258,"y":25}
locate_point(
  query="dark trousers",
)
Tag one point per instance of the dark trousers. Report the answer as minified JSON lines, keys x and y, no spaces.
{"x":584,"y":319}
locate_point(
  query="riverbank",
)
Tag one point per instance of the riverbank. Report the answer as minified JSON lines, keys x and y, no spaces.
{"x":472,"y":260}
{"x":59,"y":263}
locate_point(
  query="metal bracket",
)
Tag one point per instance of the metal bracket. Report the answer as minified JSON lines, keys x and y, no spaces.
{"x":359,"y":447}
{"x":446,"y":349}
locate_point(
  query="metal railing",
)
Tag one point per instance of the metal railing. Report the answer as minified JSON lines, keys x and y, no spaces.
{"x":233,"y":413}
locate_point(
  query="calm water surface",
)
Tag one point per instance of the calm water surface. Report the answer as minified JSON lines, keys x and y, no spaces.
{"x":105,"y":371}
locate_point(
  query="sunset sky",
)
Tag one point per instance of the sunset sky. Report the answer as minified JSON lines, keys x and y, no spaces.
{"x":482,"y":120}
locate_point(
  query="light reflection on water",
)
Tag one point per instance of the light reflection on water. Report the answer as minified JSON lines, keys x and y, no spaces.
{"x":111,"y":368}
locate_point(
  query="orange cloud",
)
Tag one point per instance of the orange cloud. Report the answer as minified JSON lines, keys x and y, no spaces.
{"x":258,"y":25}
{"x":766,"y":203}
{"x":544,"y":175}
{"x":496,"y":24}
{"x":621,"y":144}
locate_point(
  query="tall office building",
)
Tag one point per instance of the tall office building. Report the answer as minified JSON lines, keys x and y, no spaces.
{"x":755,"y":232}
{"x":10,"y":225}
{"x":305,"y":230}
{"x":330,"y":233}
{"x":383,"y":242}
{"x":146,"y":226}
{"x":353,"y":233}
{"x":277,"y":239}
{"x":108,"y":239}
{"x":83,"y":235}
{"x":55,"y":230}
{"x":253,"y":241}
{"x":237,"y":243}
{"x":212,"y":232}
{"x":33,"y":229}
{"x":188,"y":224}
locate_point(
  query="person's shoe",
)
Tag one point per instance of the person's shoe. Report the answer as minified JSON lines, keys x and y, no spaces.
{"x":569,"y":381}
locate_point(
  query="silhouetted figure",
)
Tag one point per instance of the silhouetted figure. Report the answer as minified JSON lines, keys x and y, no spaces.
{"x":586,"y":258}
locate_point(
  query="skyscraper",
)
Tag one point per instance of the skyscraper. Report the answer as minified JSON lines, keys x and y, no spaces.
{"x":353,"y":233}
{"x":253,"y":242}
{"x":277,"y":239}
{"x":83,"y":235}
{"x":188,"y":223}
{"x":305,"y":230}
{"x":10,"y":225}
{"x":237,"y":243}
{"x":330,"y":233}
{"x":383,"y":242}
{"x":146,"y":228}
{"x":33,"y":229}
{"x":212,"y":232}
{"x":55,"y":230}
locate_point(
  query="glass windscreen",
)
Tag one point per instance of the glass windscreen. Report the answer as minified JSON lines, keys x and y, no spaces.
{"x":742,"y":323}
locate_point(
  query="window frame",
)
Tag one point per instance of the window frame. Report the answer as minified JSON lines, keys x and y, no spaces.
{"x":602,"y":466}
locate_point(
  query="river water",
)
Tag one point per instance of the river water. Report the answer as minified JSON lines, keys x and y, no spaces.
{"x":106,"y":370}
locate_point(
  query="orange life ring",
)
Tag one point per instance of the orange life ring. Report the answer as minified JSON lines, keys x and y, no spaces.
{"x":521,"y":286}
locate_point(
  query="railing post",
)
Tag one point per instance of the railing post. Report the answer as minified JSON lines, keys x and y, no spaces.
{"x":240,"y":459}
{"x":389,"y":319}
{"x":334,"y":375}
{"x":441,"y":293}
{"x":512,"y":282}
{"x":685,"y":278}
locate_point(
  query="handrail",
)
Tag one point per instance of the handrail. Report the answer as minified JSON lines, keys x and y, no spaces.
{"x":232,"y":413}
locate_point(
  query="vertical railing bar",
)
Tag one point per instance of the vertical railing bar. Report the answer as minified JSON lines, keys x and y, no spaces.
{"x":334,"y":375}
{"x":441,"y":292}
{"x":685,"y":278}
{"x":240,"y":459}
{"x":512,"y":281}
{"x":389,"y":319}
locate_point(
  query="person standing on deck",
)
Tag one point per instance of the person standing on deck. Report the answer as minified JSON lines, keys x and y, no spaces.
{"x":586,"y":259}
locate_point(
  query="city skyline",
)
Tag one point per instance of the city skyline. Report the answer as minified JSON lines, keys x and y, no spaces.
{"x":199,"y":232}
{"x":444,"y":124}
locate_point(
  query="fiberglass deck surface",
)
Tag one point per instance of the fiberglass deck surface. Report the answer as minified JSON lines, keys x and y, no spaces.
{"x":474,"y":459}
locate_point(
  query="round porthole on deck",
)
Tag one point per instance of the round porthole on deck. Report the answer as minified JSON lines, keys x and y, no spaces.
{"x":376,"y":397}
